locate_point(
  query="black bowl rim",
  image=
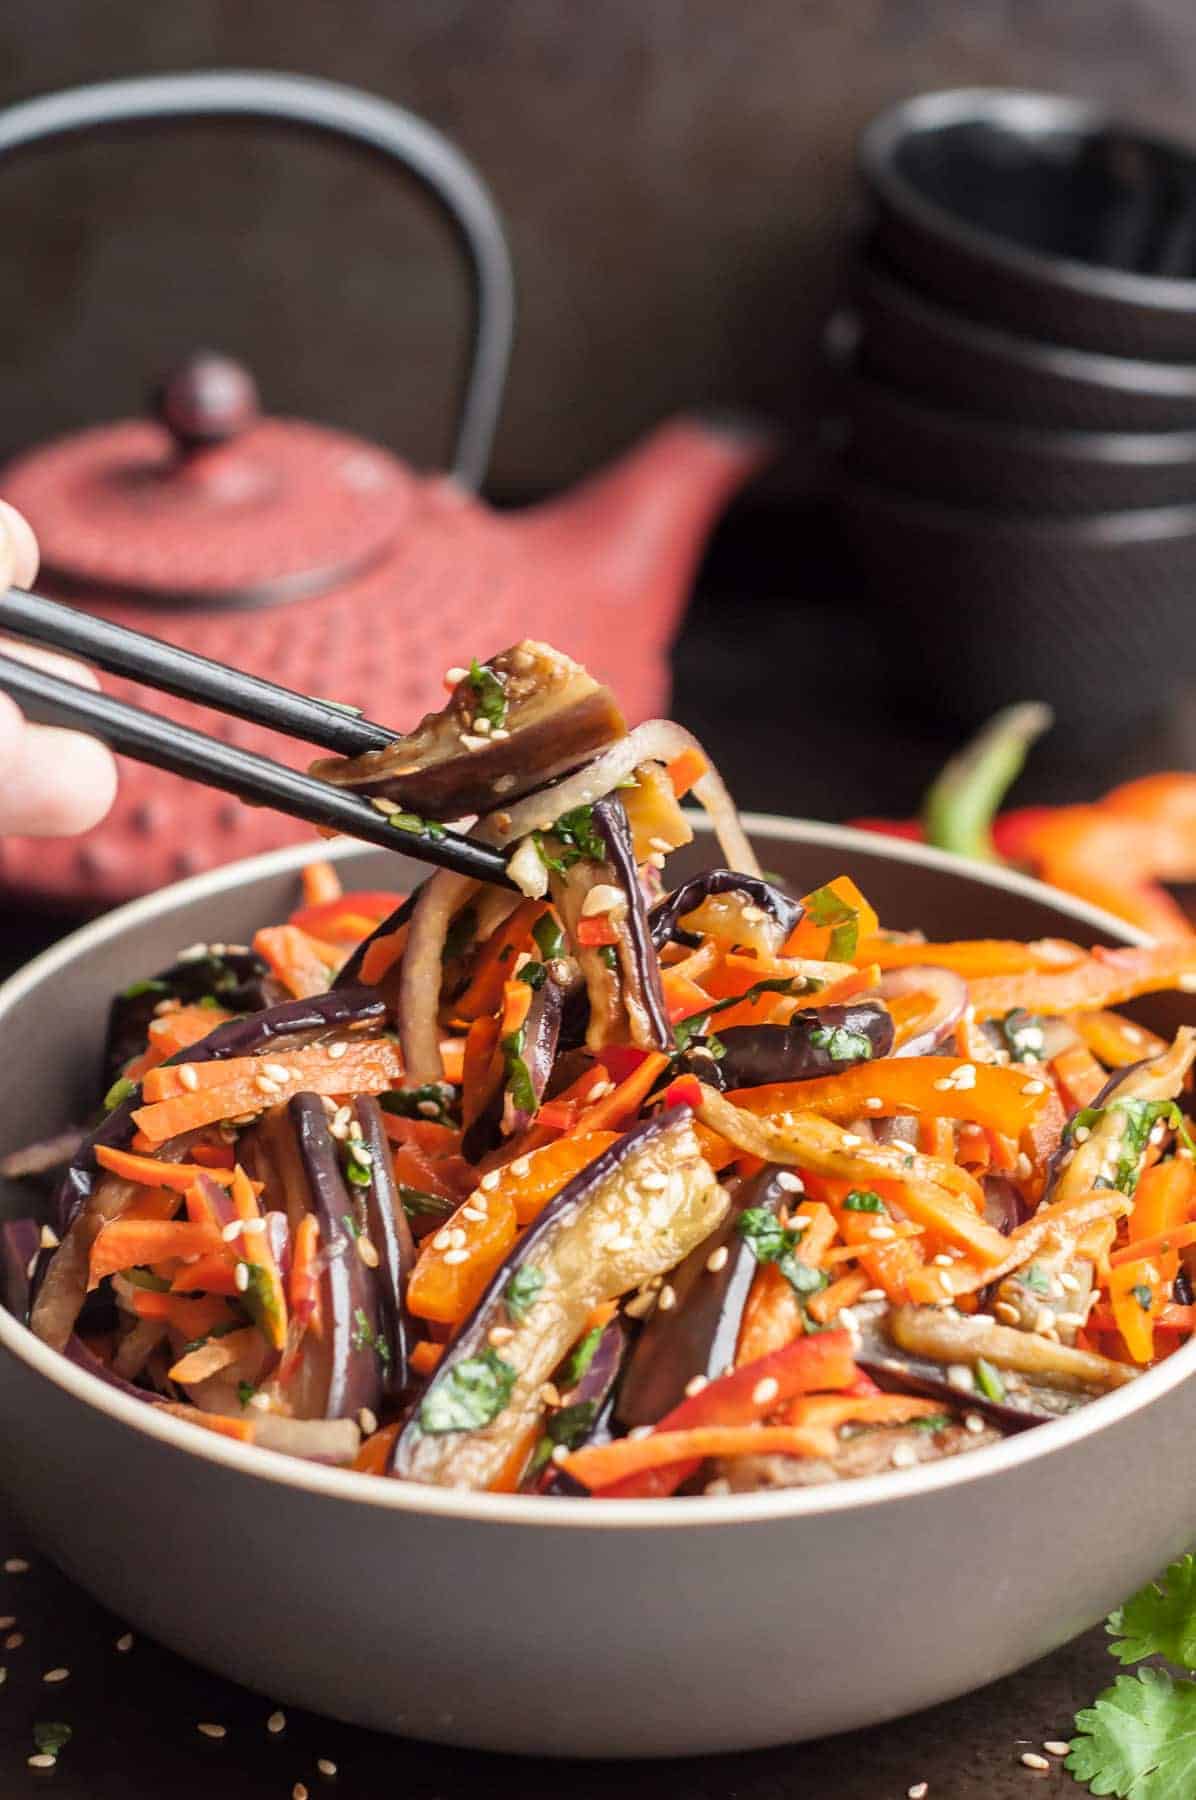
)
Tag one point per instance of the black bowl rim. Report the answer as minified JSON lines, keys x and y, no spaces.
{"x":1104,"y":449}
{"x":1029,"y":113}
{"x":1096,"y":368}
{"x":1094,"y":530}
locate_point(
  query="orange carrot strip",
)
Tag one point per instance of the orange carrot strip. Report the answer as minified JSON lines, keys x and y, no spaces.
{"x":973,"y":957}
{"x":1069,"y":1217}
{"x":303,"y":1287}
{"x":771,"y":1316}
{"x":1117,"y":1041}
{"x":447,"y":1291}
{"x":215,"y":1273}
{"x":369,"y":1067}
{"x":321,"y":883}
{"x":218,"y":1353}
{"x":153,"y":1171}
{"x":193,"y":1318}
{"x":827,"y":1305}
{"x":1107,"y":978}
{"x":516,"y":1004}
{"x":496,"y":961}
{"x":254,"y":1248}
{"x":548,"y":1170}
{"x":374,"y":1456}
{"x":1078,"y":1076}
{"x":437,"y":1140}
{"x":810,"y":939}
{"x":829,"y":1411}
{"x":304,"y":966}
{"x":1163,"y":1199}
{"x":617,"y":1109}
{"x":382,"y":955}
{"x":906,"y":1084}
{"x":600,"y":1465}
{"x":685,"y":770}
{"x":1161,"y":1245}
{"x":240,"y":1430}
{"x":129,"y":1243}
{"x":425,"y":1356}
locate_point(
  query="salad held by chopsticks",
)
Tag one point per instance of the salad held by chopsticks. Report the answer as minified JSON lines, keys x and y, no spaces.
{"x":605,"y":1186}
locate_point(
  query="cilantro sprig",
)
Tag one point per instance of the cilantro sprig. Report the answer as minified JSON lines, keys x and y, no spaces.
{"x":578,"y":838}
{"x":772,"y":1242}
{"x":490,"y":694}
{"x":1139,"y":1118}
{"x":1139,"y":1736}
{"x":469,"y":1395}
{"x":826,"y":907}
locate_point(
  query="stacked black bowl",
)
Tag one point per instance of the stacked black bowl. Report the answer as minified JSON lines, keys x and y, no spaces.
{"x":1015,"y":468}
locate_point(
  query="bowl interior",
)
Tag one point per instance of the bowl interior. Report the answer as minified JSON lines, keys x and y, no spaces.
{"x":56,"y":1009}
{"x":1047,"y":183}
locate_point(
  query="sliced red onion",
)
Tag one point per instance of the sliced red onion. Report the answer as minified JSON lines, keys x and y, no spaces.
{"x":420,"y":974}
{"x":657,"y":740}
{"x":948,"y":993}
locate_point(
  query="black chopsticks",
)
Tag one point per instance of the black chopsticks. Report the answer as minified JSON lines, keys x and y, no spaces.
{"x":46,"y":699}
{"x":189,"y":677}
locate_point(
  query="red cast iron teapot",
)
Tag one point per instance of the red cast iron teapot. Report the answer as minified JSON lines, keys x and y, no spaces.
{"x":318,"y":559}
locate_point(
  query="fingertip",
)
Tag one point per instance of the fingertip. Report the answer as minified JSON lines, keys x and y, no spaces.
{"x":22,"y":546}
{"x":85,"y":789}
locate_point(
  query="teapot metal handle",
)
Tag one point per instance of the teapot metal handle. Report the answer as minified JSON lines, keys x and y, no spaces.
{"x":363,"y":120}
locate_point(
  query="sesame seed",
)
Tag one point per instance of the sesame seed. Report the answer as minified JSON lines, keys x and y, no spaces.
{"x":850,"y":1140}
{"x":1044,"y":1320}
{"x":944,"y":1084}
{"x":276,"y":1071}
{"x":337,"y":1050}
{"x":717,"y":1487}
{"x":640,"y":1306}
{"x":904,"y":1456}
{"x":241,"y":1278}
{"x":276,"y":1722}
{"x":942,"y":1260}
{"x":16,"y":1565}
{"x":368,"y":1422}
{"x":601,"y":1089}
{"x":442,"y":1241}
{"x":454,"y":677}
{"x":482,"y":727}
{"x":874,"y":1103}
{"x":55,"y":1675}
{"x":1005,"y":1312}
{"x":965,"y":1075}
{"x":232,"y":1230}
{"x":623,"y":1241}
{"x":919,"y":1791}
{"x":881,"y":1233}
{"x":253,"y":1227}
{"x":299,"y":1791}
{"x":42,"y":1760}
{"x":490,"y":1181}
{"x":500,"y":731}
{"x":1056,"y":1747}
{"x":717,"y":1259}
{"x":124,"y":1643}
{"x":1074,"y":1321}
{"x":654,"y":1183}
{"x":667,"y":1299}
{"x":458,"y":1237}
{"x":1187,"y":983}
{"x":193,"y":952}
{"x":1025,"y":1168}
{"x":640,"y":1431}
{"x":454,"y":1257}
{"x":264,"y":1085}
{"x":211,"y":1731}
{"x":1033,"y":1087}
{"x":14,"y":1640}
{"x":961,"y":1377}
{"x":755,"y":915}
{"x":765,"y":1391}
{"x":469,"y":742}
{"x":326,"y":1766}
{"x":973,"y":1423}
{"x":560,"y":1454}
{"x":188,"y":1077}
{"x":874,"y":1294}
{"x":791,"y":1183}
{"x":550,"y":1394}
{"x":1032,"y":1760}
{"x":661,"y":844}
{"x":260,"y":1402}
{"x":48,"y":1239}
{"x":696,"y":1384}
{"x":521,"y":1166}
{"x":1081,"y":1134}
{"x":367,"y":1251}
{"x":500,"y":1334}
{"x":1069,"y":1282}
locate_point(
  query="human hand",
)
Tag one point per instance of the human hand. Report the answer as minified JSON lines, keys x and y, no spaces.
{"x":53,"y":783}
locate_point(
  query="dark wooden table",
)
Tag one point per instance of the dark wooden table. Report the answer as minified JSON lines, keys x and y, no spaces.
{"x":776,"y":672}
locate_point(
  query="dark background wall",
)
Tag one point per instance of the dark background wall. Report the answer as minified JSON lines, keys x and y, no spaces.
{"x":676,"y":175}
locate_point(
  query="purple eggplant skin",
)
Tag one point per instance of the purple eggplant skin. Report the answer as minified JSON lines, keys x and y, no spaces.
{"x":541,"y":1035}
{"x":358,"y":1351}
{"x":238,"y":980}
{"x":472,"y":1338}
{"x":663,"y":919}
{"x":895,"y":1377}
{"x":698,"y":1335}
{"x":597,"y":1388}
{"x":756,"y":1055}
{"x":389,"y":1231}
{"x":235,"y":1037}
{"x":610,"y":822}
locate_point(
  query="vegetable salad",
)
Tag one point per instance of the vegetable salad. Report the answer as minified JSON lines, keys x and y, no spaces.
{"x":604,"y":1187}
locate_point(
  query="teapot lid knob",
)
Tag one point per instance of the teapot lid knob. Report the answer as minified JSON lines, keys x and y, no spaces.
{"x":206,"y":400}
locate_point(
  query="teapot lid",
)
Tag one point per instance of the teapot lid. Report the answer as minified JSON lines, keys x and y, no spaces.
{"x":210,"y":504}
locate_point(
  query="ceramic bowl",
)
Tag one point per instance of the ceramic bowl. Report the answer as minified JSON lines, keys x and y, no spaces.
{"x":1040,"y":213}
{"x":559,"y":1627}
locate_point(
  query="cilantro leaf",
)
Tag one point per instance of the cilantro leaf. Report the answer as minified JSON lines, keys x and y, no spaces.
{"x":578,"y":838}
{"x":490,"y":693}
{"x":418,"y":1205}
{"x":567,"y":1425}
{"x":579,"y":1359}
{"x":522,"y":1292}
{"x":136,"y":989}
{"x":411,"y":822}
{"x":51,"y":1736}
{"x":1139,"y":1738}
{"x":534,"y":974}
{"x":826,"y":907}
{"x":245,"y":1392}
{"x":841,"y":1045}
{"x":1160,"y":1620}
{"x":432,"y":1101}
{"x":518,"y":1075}
{"x":863,"y":1200}
{"x":548,"y":936}
{"x":1138,"y":1118}
{"x":364,"y":1333}
{"x":121,"y":1090}
{"x":772,"y":1242}
{"x":357,"y":1165}
{"x":1023,"y":1034}
{"x":469,"y":1394}
{"x":1034,"y":1279}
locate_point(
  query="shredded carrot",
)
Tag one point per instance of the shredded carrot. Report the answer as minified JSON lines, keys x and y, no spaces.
{"x":973,"y":957}
{"x":131,"y":1243}
{"x":321,"y":883}
{"x":827,"y":1305}
{"x":254,"y":1248}
{"x":303,"y":1282}
{"x":1116,"y":1041}
{"x":1103,"y":979}
{"x":495,"y":963}
{"x":907,"y":1084}
{"x":374,"y":1456}
{"x":1161,"y":1245}
{"x":771,"y":1316}
{"x":516,"y":1004}
{"x":382,"y":955}
{"x":425,"y":1356}
{"x":154,"y":1171}
{"x":369,"y":1066}
{"x":436,"y":1139}
{"x":218,"y":1353}
{"x":194,"y":1318}
{"x":1078,"y":1076}
{"x":600,"y":1466}
{"x":829,"y":1411}
{"x":615,"y":1110}
{"x":215,"y":1273}
{"x":303,"y":965}
{"x":1163,"y":1199}
{"x":684,"y":770}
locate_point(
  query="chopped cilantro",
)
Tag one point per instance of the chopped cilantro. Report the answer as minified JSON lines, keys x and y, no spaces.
{"x":145,"y":1278}
{"x":929,"y":1422}
{"x":578,"y":839}
{"x":579,"y":1359}
{"x":1138,"y":1119}
{"x":518,"y":1075}
{"x":120,"y":1091}
{"x":863,"y":1200}
{"x":826,"y":907}
{"x":608,"y":957}
{"x":534,"y":974}
{"x":245,"y":1392}
{"x":418,"y":1205}
{"x":351,"y":1226}
{"x":358,"y":1171}
{"x":415,"y":1103}
{"x":51,"y":1736}
{"x":468,"y":1395}
{"x":988,"y":1380}
{"x":136,"y":989}
{"x":209,"y":1003}
{"x":364,"y":1333}
{"x":460,"y":934}
{"x":1143,"y":1296}
{"x":686,"y":1030}
{"x":1034,"y":1279}
{"x":522,"y":1292}
{"x":840,"y":1044}
{"x":567,"y":1425}
{"x":772,"y":1242}
{"x":490,"y":693}
{"x":409,"y":821}
{"x":549,"y":938}
{"x":1023,"y":1035}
